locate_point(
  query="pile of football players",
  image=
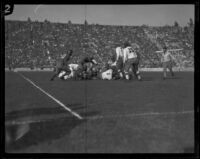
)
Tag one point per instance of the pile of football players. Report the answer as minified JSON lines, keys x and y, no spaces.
{"x":123,"y":65}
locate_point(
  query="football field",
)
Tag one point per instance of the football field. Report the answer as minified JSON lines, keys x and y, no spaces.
{"x":96,"y":116}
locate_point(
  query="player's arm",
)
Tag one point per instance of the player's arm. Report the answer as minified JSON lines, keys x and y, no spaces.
{"x":66,"y":58}
{"x":94,"y":61}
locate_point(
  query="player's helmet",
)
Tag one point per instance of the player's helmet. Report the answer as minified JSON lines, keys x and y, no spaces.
{"x":126,"y":44}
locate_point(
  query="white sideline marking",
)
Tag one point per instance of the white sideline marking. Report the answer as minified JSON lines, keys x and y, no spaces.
{"x":104,"y":117}
{"x":49,"y":95}
{"x":141,"y":114}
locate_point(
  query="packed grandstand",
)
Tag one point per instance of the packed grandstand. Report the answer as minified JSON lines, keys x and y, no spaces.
{"x":36,"y":44}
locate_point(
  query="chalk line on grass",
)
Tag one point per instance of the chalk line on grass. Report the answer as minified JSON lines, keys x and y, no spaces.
{"x":140,"y":115}
{"x":132,"y":115}
{"x":53,"y":98}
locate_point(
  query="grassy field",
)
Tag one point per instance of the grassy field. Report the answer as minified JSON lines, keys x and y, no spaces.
{"x":152,"y":116}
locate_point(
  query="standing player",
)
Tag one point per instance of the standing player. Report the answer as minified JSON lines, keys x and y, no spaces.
{"x":167,"y":60}
{"x":62,"y":64}
{"x":131,"y":60}
{"x":119,"y":61}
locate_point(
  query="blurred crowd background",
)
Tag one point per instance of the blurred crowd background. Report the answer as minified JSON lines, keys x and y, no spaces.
{"x":37,"y":44}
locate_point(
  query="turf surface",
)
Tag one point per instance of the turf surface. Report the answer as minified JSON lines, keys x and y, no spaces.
{"x":152,"y":116}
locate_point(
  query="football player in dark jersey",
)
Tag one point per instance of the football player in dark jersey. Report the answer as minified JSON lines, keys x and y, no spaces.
{"x":86,"y":64}
{"x":62,"y":64}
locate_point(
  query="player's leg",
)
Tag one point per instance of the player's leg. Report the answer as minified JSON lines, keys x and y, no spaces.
{"x":61,"y":74}
{"x":136,"y":70}
{"x":119,"y":66}
{"x":84,"y":71}
{"x":164,"y":70}
{"x":126,"y":69}
{"x":57,"y":71}
{"x":68,"y":75}
{"x":170,"y":69}
{"x":115,"y":74}
{"x":78,"y":73}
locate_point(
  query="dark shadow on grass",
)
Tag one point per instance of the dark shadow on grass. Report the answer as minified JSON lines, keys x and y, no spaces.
{"x":40,"y":111}
{"x":46,"y":131}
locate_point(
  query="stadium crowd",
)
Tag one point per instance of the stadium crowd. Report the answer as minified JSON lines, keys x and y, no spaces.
{"x":38,"y":44}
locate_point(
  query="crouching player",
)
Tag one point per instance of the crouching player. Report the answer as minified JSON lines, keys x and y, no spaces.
{"x":106,"y":73}
{"x":167,"y":60}
{"x":131,"y":61}
{"x":62,"y":64}
{"x":86,"y":65}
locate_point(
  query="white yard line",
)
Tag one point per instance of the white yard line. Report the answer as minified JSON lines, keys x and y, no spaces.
{"x":53,"y":98}
{"x":140,"y":115}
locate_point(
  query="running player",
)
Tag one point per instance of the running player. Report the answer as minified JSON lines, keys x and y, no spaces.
{"x":62,"y":64}
{"x":131,"y":61}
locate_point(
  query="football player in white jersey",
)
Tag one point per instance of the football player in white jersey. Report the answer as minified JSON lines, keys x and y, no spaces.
{"x":107,"y":75}
{"x":106,"y":72}
{"x":131,"y":61}
{"x":73,"y":68}
{"x":167,"y":60}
